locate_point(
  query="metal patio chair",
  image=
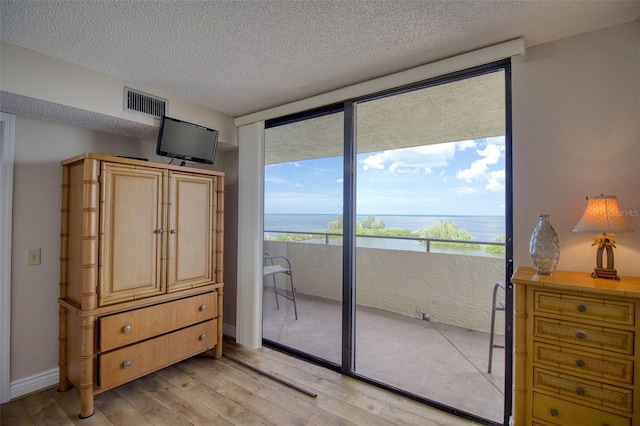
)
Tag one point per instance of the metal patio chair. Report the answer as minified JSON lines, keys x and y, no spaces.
{"x":272,"y":267}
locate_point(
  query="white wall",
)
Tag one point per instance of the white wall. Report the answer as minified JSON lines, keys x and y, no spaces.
{"x":40,"y":146}
{"x":31,"y":74}
{"x":576,"y":132}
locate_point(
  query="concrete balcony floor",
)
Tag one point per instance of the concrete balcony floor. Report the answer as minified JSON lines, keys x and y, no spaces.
{"x":440,"y":362}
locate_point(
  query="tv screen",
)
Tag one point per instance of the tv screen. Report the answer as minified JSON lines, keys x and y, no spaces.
{"x":186,"y":141}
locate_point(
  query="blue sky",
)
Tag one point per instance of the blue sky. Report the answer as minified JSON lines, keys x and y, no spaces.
{"x":456,"y":178}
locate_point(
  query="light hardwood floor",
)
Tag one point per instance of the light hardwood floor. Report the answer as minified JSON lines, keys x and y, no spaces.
{"x":203,"y":391}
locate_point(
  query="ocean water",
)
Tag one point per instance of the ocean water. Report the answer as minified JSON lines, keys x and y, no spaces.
{"x":481,"y":228}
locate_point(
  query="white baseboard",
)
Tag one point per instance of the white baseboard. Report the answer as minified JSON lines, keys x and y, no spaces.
{"x":228,"y":330}
{"x":34,"y":383}
{"x":50,"y":378}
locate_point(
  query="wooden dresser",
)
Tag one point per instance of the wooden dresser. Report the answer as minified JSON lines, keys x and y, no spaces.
{"x":140,"y":270}
{"x":576,"y":349}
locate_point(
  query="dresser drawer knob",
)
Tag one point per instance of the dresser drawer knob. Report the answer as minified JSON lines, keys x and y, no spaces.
{"x":203,"y":336}
{"x":580,"y":391}
{"x":580,"y":363}
{"x":582,"y":308}
{"x":126,"y":364}
{"x":127,"y":329}
{"x":580,"y":335}
{"x":203,"y":308}
{"x":554,"y":413}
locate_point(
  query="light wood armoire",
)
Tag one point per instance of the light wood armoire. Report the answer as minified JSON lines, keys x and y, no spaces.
{"x":577,"y":343}
{"x":140,"y":270}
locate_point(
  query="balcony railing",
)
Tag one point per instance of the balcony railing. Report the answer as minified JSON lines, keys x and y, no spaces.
{"x":426,"y":240}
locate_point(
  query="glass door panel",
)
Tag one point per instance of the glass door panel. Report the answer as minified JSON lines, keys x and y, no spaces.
{"x":430,"y":211}
{"x":303,"y":199}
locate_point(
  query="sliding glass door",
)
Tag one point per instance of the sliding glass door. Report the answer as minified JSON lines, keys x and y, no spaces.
{"x":302,"y":305}
{"x":430,"y":203}
{"x":387,"y":225}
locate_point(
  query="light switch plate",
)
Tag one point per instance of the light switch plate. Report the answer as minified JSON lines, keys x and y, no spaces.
{"x":33,"y":257}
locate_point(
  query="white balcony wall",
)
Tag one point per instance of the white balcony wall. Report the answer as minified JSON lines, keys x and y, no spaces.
{"x":453,"y":289}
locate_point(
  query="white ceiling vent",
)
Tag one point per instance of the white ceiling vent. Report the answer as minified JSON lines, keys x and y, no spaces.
{"x":144,"y":104}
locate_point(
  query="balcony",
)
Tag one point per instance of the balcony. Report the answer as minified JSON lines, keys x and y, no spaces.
{"x":443,"y":358}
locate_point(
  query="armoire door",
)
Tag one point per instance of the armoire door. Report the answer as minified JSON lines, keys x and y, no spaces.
{"x":131,"y":233}
{"x":192,"y":233}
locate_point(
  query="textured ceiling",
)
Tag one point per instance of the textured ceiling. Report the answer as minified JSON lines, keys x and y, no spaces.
{"x":239,"y":57}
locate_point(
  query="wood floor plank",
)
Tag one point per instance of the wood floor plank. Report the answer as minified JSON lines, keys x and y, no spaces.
{"x":44,"y":410}
{"x":302,"y":406}
{"x":211,"y":393}
{"x":335,"y":389}
{"x":69,"y":401}
{"x":149,"y":406}
{"x":118,"y":411}
{"x":177,"y":400}
{"x":14,"y":414}
{"x":207,"y":392}
{"x":249,"y":400}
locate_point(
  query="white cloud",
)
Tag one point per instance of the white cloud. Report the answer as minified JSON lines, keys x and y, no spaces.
{"x":341,"y":180}
{"x":462,"y":145}
{"x":479,"y":168}
{"x":421,"y":159}
{"x":496,"y":181}
{"x":465,"y":190}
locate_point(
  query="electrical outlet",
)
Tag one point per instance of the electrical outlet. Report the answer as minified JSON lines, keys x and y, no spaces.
{"x":33,"y":257}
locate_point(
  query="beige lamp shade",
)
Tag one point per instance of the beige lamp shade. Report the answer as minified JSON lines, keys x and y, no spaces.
{"x":602,"y":215}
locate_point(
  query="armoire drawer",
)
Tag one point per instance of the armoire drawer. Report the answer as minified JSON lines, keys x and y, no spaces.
{"x":581,"y":390}
{"x":583,"y":363}
{"x":134,"y":361}
{"x":140,"y":324}
{"x":564,"y":413}
{"x":585,"y":308}
{"x":608,"y":339}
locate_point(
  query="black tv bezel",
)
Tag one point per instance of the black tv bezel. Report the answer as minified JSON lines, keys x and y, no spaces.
{"x":183,"y":157}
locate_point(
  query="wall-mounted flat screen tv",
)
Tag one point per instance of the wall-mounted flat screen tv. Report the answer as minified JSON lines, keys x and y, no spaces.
{"x":186,"y":141}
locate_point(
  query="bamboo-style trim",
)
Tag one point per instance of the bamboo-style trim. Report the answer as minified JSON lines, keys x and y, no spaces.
{"x":64,"y":383}
{"x":220,"y":230}
{"x":218,"y":348}
{"x":90,"y":224}
{"x":520,"y":355}
{"x":86,"y":376}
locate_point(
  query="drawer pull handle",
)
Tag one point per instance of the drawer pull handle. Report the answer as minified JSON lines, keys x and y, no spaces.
{"x":127,"y":329}
{"x":160,"y":231}
{"x":582,"y":308}
{"x":126,"y":364}
{"x":203,"y":336}
{"x":580,"y":391}
{"x":580,"y":335}
{"x":554,"y":413}
{"x":580,"y":363}
{"x":203,"y":308}
{"x":173,"y":231}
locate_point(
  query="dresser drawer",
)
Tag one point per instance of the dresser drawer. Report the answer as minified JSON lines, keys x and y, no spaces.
{"x":133,"y":326}
{"x":609,"y":339}
{"x":565,"y":413}
{"x":583,"y":363}
{"x":119,"y":366}
{"x":584,"y":390}
{"x":585,"y":308}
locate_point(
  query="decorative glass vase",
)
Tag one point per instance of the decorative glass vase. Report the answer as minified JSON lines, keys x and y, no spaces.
{"x":544,"y":247}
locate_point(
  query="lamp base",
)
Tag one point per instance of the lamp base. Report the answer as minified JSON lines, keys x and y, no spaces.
{"x":606,"y":273}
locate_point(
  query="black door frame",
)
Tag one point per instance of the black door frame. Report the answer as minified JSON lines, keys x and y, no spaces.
{"x":349,"y":108}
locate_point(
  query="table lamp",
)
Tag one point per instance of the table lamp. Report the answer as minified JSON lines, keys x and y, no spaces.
{"x":604,"y":216}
